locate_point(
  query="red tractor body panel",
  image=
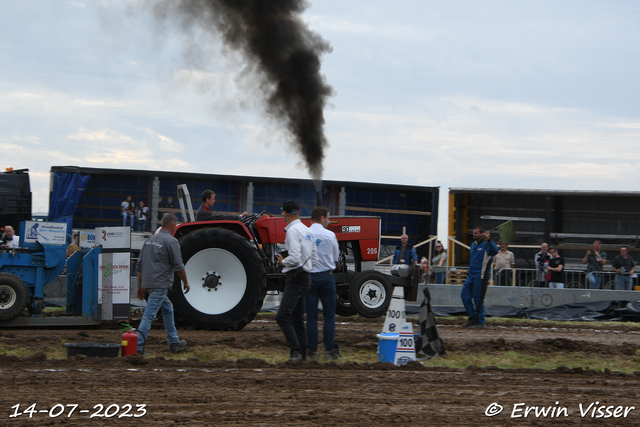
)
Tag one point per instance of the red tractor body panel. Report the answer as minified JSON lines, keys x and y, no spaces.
{"x":365,"y":230}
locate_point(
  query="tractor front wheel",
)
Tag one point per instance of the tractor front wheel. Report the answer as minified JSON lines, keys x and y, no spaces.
{"x":370,"y":293}
{"x":227,"y":278}
{"x":14,"y":296}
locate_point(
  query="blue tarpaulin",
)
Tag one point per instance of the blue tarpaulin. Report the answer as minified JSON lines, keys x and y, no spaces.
{"x":67,"y":190}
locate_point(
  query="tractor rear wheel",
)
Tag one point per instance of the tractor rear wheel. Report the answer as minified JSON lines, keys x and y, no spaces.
{"x":370,"y":293}
{"x":227,"y":278}
{"x":14,"y":296}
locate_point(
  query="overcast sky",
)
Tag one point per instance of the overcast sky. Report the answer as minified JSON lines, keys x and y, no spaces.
{"x":509,"y":94}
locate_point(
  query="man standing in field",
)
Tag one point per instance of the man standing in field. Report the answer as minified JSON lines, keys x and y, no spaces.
{"x":159,"y":258}
{"x":301,"y":258}
{"x":323,"y":287}
{"x":475,"y":287}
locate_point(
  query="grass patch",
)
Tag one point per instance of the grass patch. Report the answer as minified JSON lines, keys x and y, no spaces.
{"x":54,"y":309}
{"x":221,"y":352}
{"x":514,"y":360}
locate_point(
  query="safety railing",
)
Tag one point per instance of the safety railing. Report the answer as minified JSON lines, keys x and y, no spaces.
{"x":530,"y":277}
{"x":573,"y":279}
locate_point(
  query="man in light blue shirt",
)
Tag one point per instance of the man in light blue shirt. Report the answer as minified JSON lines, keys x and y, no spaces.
{"x":323,"y":287}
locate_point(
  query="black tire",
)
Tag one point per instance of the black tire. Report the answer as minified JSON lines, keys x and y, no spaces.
{"x":370,"y":293}
{"x":227,"y":278}
{"x":14,"y":296}
{"x":343,"y":305}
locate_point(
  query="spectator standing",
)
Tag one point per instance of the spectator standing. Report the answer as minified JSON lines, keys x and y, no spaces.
{"x":142,"y":213}
{"x":127,"y":207}
{"x":9,"y":236}
{"x":623,"y":265}
{"x":475,"y":286}
{"x":323,"y":287}
{"x":170,"y":204}
{"x":595,"y":261}
{"x":555,"y":269}
{"x":159,"y":258}
{"x":301,"y":258}
{"x":405,"y":252}
{"x":206,"y":214}
{"x":542,"y":262}
{"x":439,"y":264}
{"x":161,"y":204}
{"x":503,"y":262}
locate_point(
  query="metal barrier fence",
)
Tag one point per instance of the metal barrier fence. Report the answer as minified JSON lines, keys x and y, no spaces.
{"x":575,"y":279}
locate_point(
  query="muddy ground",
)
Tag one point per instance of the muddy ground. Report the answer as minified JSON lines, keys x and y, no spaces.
{"x":253,"y":392}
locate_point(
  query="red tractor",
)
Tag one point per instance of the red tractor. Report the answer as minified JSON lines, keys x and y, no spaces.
{"x":231,"y":265}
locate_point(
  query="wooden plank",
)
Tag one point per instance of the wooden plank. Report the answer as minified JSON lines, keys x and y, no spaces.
{"x":380,"y":210}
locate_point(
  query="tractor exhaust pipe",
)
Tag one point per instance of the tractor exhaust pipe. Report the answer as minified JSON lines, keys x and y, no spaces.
{"x":318,"y":184}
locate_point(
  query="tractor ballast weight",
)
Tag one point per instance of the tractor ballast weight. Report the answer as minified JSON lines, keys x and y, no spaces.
{"x":232,"y":264}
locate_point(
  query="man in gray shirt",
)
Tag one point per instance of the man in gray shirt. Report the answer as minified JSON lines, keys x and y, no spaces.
{"x":159,"y":258}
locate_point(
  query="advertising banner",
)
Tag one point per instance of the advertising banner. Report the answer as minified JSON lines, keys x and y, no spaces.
{"x":86,"y":239}
{"x":114,"y":238}
{"x":114,"y":272}
{"x":113,"y":285}
{"x":51,"y":233}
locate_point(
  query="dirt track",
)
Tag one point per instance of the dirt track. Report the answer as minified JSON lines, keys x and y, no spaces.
{"x":254,"y":392}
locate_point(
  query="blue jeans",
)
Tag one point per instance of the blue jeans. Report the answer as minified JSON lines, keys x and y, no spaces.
{"x":124,"y":218}
{"x":142,"y":225}
{"x":623,"y":283}
{"x":471,"y":294}
{"x":595,"y":280}
{"x":323,"y":288}
{"x":290,"y":316}
{"x":441,"y":277}
{"x":157,"y":300}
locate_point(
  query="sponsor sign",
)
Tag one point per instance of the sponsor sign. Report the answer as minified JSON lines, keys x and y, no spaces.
{"x":87,"y":239}
{"x":50,"y":233}
{"x":113,"y":285}
{"x":113,"y":237}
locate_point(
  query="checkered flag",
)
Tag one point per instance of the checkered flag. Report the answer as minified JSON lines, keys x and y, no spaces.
{"x":429,"y":341}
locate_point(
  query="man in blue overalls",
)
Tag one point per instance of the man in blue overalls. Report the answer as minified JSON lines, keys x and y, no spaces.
{"x":475,"y":287}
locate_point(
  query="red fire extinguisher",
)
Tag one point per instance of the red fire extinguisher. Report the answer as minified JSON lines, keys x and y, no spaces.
{"x":129,"y":341}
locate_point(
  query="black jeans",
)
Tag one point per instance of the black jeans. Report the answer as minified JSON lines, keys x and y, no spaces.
{"x":290,"y":315}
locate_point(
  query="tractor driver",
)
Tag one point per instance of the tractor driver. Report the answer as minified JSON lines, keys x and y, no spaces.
{"x":206,"y":214}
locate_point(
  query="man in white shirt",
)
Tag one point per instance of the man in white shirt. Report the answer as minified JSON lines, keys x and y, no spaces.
{"x":323,"y":287}
{"x":301,"y":258}
{"x":11,"y":238}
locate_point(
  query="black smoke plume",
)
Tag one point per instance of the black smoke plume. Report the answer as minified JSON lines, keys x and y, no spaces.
{"x":272,"y":35}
